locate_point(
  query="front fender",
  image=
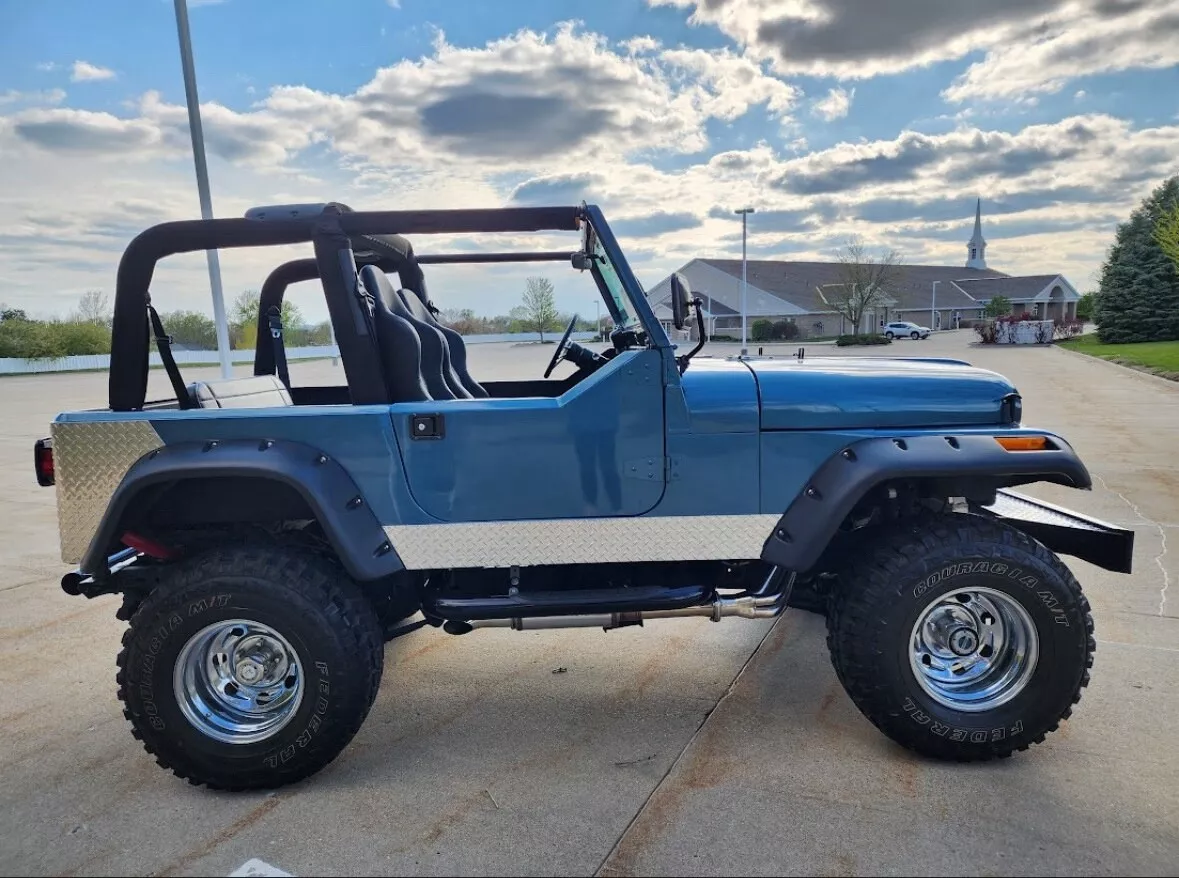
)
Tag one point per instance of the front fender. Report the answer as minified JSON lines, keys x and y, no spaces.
{"x":813,"y":517}
{"x":332,"y":495}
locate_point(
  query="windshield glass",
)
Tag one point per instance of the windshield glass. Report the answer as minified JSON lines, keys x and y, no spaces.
{"x":626,"y":315}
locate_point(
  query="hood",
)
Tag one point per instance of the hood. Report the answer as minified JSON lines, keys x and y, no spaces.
{"x":830,"y":393}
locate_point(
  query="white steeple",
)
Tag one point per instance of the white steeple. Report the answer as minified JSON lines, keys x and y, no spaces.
{"x":976,"y":250}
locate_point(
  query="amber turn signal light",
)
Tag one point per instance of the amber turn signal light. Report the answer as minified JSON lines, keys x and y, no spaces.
{"x":1024,"y":443}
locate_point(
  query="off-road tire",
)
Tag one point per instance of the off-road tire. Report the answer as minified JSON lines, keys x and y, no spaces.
{"x":303,"y":596}
{"x":902,"y":572}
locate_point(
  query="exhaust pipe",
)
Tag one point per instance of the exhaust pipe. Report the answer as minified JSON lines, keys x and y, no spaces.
{"x":77,"y":583}
{"x":767,"y":602}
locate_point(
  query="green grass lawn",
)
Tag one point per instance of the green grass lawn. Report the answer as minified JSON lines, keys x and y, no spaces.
{"x":1157,"y":356}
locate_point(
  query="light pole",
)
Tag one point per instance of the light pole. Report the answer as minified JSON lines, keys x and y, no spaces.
{"x":202,"y":175}
{"x":744,"y":212}
{"x":933,"y":308}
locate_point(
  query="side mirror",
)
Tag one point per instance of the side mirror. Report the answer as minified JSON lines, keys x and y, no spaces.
{"x":681,"y":300}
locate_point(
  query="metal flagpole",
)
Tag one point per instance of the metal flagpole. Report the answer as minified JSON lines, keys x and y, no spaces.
{"x":202,"y":175}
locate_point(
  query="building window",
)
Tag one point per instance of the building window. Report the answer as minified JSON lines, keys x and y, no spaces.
{"x":973,"y":253}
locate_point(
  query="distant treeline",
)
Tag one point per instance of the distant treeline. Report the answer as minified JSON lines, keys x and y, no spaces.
{"x":88,"y":329}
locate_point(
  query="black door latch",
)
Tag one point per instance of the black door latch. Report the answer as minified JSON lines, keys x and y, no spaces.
{"x":427,"y":427}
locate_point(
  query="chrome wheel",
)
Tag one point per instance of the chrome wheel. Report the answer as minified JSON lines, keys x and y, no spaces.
{"x":974,"y":650}
{"x":238,"y":681}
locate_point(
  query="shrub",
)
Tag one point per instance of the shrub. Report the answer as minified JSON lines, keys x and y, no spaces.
{"x":849,"y":340}
{"x":987,"y":332}
{"x":762,"y":330}
{"x":998,"y":307}
{"x":1068,"y":329}
{"x":31,"y":339}
{"x":1086,"y":305}
{"x":191,"y":329}
{"x":785,"y":330}
{"x":82,"y":337}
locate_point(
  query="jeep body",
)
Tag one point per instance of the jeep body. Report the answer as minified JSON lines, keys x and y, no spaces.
{"x":646,"y":484}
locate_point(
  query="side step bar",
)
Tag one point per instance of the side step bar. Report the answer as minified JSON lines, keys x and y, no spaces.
{"x":546,"y":611}
{"x":1064,"y":531}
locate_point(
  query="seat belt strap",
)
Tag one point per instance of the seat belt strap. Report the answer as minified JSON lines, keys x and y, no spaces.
{"x":164,"y":345}
{"x":274,"y":319}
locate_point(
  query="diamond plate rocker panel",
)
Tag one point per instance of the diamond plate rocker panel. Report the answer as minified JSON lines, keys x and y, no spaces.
{"x":90,"y":460}
{"x":581,"y":541}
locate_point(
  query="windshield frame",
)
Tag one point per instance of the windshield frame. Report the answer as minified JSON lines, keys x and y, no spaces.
{"x":621,"y":291}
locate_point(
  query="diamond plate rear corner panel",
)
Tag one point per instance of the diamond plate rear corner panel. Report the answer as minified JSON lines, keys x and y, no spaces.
{"x":90,"y":459}
{"x":581,"y":541}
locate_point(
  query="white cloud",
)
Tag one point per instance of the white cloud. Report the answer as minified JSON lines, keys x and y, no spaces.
{"x":1029,"y":45}
{"x":727,"y":84}
{"x":518,"y":102}
{"x":84,"y":71}
{"x":1080,"y":95}
{"x":639,"y":45}
{"x":47,"y":66}
{"x":1080,"y":39}
{"x":394,"y":4}
{"x":540,"y":118}
{"x":45,"y":96}
{"x":835,"y":106}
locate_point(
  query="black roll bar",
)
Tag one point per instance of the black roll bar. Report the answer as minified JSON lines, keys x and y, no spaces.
{"x":332,"y":231}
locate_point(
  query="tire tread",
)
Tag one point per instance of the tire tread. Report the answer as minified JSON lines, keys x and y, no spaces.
{"x":876,"y":577}
{"x":302,"y":577}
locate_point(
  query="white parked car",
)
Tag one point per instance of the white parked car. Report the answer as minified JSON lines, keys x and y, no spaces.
{"x":905,"y":330}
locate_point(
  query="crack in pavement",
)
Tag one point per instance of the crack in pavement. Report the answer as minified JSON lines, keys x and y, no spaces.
{"x":1158,"y":559}
{"x":604,"y":866}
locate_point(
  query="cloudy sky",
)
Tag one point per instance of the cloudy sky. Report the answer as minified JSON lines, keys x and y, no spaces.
{"x":883,"y":118}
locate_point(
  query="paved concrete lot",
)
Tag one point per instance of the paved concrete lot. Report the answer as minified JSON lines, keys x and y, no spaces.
{"x":686,"y":747}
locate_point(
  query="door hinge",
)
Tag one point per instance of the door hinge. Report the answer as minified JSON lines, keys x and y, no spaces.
{"x":652,"y":468}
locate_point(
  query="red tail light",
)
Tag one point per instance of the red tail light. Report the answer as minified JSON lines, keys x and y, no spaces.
{"x":43,"y":462}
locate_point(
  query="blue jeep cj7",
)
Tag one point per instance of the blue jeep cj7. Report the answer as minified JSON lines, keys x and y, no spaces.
{"x":268,"y":539}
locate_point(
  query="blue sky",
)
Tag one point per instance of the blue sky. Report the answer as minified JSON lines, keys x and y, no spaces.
{"x":832,"y":117}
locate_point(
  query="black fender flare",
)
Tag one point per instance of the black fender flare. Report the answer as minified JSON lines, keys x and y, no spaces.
{"x":813,"y":517}
{"x":352,"y":527}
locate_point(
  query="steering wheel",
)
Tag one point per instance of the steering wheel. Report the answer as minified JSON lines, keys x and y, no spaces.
{"x":562,"y":348}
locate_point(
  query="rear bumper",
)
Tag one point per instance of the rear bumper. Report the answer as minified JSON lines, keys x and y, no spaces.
{"x":1064,"y":531}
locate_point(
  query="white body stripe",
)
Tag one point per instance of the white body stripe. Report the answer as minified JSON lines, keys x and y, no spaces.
{"x":581,"y":541}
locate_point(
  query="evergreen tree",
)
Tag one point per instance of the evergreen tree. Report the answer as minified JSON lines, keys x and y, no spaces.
{"x":1139,"y":295}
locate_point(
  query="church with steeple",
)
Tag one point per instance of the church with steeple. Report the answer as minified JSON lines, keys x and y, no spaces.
{"x":807,"y":293}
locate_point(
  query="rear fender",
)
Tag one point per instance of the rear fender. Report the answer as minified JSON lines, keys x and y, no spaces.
{"x":328,"y":490}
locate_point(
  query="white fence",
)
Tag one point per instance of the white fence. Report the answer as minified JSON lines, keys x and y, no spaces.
{"x":18,"y":366}
{"x":1024,"y":332}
